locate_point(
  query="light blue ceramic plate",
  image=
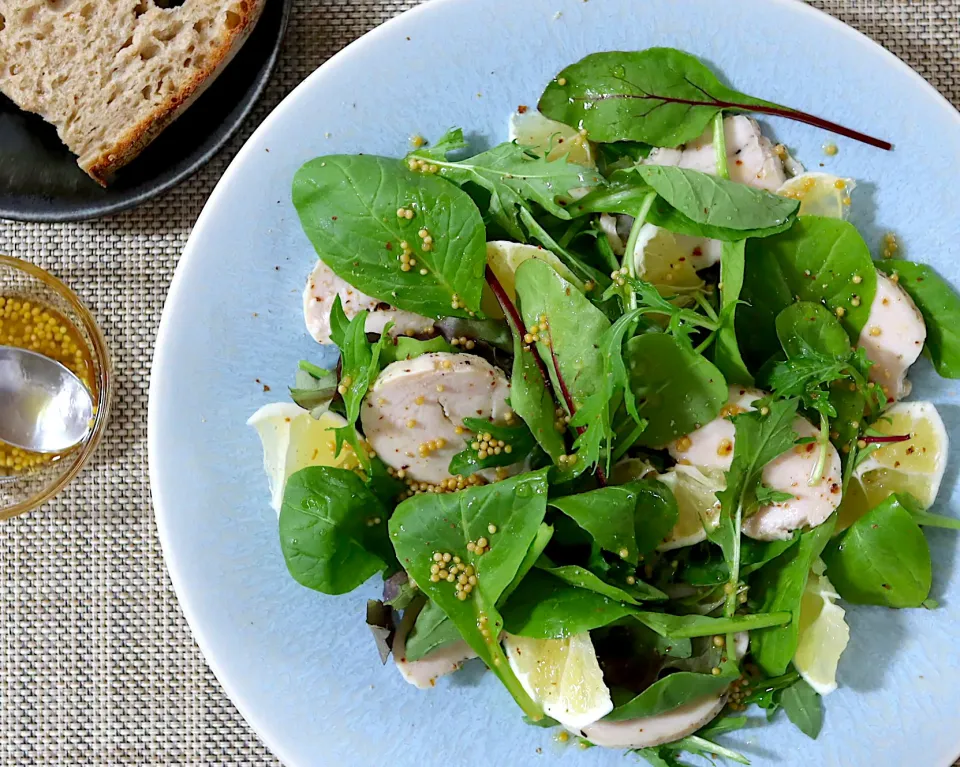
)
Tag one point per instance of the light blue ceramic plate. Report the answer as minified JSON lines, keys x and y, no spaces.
{"x":300,"y":666}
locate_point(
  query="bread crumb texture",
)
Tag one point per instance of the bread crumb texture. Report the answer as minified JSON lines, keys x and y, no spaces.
{"x":112,"y":74}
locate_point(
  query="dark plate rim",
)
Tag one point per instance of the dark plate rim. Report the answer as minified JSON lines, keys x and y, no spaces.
{"x":107,"y":208}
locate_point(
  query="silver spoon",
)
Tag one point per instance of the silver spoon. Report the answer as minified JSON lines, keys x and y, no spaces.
{"x":44,"y":407}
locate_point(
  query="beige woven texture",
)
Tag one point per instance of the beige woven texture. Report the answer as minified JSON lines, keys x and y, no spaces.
{"x":97,"y":664}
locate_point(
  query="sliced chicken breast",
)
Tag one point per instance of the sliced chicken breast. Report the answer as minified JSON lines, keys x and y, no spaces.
{"x":413,"y":415}
{"x":424,"y":673}
{"x":751,"y":156}
{"x":323,"y":286}
{"x":653,"y":731}
{"x":712,"y":446}
{"x":893,"y":337}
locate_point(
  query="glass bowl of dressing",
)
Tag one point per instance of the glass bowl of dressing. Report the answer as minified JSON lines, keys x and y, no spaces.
{"x":38,"y":312}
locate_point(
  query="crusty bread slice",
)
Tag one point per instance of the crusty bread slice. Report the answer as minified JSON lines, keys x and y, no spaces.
{"x":112,"y":74}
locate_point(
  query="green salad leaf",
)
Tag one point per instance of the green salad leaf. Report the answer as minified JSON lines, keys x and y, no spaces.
{"x":432,"y":630}
{"x":513,"y":175}
{"x":656,"y":361}
{"x":532,"y":401}
{"x":803,"y":707}
{"x":819,"y":260}
{"x":939,"y":304}
{"x":584,"y":579}
{"x":333,"y":530}
{"x":726,"y":352}
{"x":718,"y":202}
{"x":779,"y":586}
{"x":546,"y":607}
{"x":673,"y":691}
{"x":659,"y":96}
{"x":883,"y":558}
{"x":426,"y":525}
{"x":469,"y":462}
{"x":314,"y":388}
{"x":691,"y":626}
{"x":348,"y":206}
{"x":404,"y":348}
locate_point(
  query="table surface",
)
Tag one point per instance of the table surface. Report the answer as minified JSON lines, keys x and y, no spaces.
{"x":97,"y":664}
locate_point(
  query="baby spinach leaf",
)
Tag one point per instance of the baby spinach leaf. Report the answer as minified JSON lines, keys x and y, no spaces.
{"x":726,"y":351}
{"x":332,"y":530}
{"x":883,"y":558}
{"x":779,"y":586}
{"x":545,"y":607}
{"x":427,"y":524}
{"x":939,"y":304}
{"x":431,"y":630}
{"x":531,"y":400}
{"x":715,"y":201}
{"x":608,"y":514}
{"x":660,"y":96}
{"x":807,"y":328}
{"x":513,"y":174}
{"x":403,"y":348}
{"x":753,"y":555}
{"x":348,"y":207}
{"x":673,"y":691}
{"x":584,"y":579}
{"x":544,"y":534}
{"x":517,"y":438}
{"x":804,"y":708}
{"x":690,"y":626}
{"x":821,"y":260}
{"x":656,"y":362}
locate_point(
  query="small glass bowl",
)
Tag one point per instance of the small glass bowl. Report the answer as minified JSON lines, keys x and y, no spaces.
{"x":20,"y":493}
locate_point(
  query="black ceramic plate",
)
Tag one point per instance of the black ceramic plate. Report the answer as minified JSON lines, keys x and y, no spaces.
{"x":41,"y":181}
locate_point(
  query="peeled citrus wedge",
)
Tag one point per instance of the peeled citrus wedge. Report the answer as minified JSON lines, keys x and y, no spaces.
{"x":563,"y":676}
{"x":534,"y":130}
{"x":823,"y":632}
{"x":292,"y":439}
{"x":820,"y":194}
{"x":504,"y":258}
{"x":915,"y":466}
{"x":696,"y":494}
{"x":667,"y":261}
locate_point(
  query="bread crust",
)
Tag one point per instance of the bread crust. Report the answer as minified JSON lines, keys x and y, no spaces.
{"x":139,"y":136}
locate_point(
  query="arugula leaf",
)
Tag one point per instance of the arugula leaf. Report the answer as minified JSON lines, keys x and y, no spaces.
{"x":451,"y":141}
{"x":759,"y":439}
{"x":699,"y":746}
{"x":531,"y":400}
{"x":660,"y":96}
{"x":314,"y":388}
{"x":657,"y":361}
{"x":518,"y":438}
{"x":681,"y":323}
{"x":545,"y":607}
{"x":348,"y":208}
{"x":513,"y":174}
{"x":673,"y":691}
{"x":718,"y":202}
{"x":584,"y":579}
{"x":332,"y":530}
{"x":426,"y":524}
{"x":939,"y":304}
{"x":726,"y":352}
{"x":690,"y":626}
{"x":804,"y":708}
{"x":431,"y":630}
{"x":360,"y":366}
{"x":578,"y":267}
{"x":883,"y":558}
{"x":403,"y":348}
{"x":820,"y":260}
{"x":779,"y":586}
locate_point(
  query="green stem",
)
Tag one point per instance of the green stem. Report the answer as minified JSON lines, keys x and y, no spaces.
{"x":824,"y":441}
{"x":720,"y":146}
{"x":936,"y":520}
{"x":629,"y":258}
{"x":705,"y":344}
{"x":624,"y":444}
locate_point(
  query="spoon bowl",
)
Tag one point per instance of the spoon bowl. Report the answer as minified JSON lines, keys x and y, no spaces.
{"x":44,"y":407}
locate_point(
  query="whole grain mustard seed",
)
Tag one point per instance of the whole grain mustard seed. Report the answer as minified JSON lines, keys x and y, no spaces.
{"x":830,"y":150}
{"x":38,"y":328}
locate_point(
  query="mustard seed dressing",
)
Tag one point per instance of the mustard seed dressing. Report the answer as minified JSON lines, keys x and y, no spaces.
{"x":31,"y":325}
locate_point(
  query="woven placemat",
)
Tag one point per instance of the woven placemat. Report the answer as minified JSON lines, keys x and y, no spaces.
{"x":97,"y":664}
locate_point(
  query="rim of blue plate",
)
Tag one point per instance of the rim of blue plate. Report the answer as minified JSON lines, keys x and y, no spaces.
{"x":165,"y":531}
